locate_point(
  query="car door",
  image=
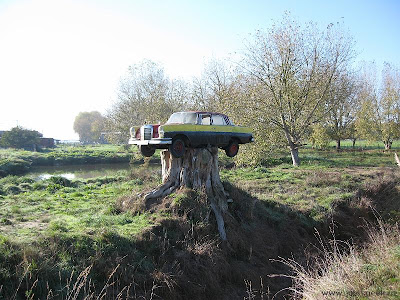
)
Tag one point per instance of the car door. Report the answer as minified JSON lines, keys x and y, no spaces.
{"x":221,"y":129}
{"x":205,"y":132}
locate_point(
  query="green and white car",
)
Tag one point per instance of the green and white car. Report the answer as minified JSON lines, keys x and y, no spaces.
{"x":192,"y":129}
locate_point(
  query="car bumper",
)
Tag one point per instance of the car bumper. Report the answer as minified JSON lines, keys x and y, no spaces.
{"x":165,"y":141}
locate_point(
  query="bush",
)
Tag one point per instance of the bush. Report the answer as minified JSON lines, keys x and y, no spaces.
{"x":19,"y":137}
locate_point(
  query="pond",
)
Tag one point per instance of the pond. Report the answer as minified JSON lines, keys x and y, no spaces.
{"x":84,"y":171}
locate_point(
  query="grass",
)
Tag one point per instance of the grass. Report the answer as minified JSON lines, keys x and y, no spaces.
{"x":56,"y":229}
{"x":324,"y":178}
{"x":346,"y":271}
{"x":60,"y":206}
{"x":59,"y":226}
{"x":347,"y":144}
{"x":332,"y":158}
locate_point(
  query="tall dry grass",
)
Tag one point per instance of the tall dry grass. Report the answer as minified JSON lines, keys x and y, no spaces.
{"x":344,"y":271}
{"x":82,"y":287}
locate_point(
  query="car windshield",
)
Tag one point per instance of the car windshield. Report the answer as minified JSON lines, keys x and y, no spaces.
{"x":182,"y":118}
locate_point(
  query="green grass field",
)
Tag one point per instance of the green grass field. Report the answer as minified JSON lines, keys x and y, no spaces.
{"x":348,"y":144}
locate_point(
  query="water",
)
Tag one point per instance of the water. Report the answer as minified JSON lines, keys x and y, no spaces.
{"x":83,"y":171}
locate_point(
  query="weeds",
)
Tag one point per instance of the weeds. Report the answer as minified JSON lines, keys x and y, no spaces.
{"x":343,"y":270}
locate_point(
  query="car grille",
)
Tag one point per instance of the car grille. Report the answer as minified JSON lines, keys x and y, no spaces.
{"x":147,"y":133}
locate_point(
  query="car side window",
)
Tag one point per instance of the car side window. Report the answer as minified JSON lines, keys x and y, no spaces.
{"x":228,"y":122}
{"x":218,"y":120}
{"x":205,"y":119}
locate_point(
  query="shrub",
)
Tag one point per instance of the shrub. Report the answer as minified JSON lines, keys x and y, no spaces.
{"x":19,"y":137}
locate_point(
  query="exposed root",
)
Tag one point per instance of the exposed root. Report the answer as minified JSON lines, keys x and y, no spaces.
{"x":198,"y":170}
{"x":397,"y":159}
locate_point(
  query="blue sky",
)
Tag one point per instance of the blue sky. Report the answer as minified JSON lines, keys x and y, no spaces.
{"x":60,"y":57}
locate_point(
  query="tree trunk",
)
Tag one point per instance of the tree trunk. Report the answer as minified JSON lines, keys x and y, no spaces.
{"x":294,"y":151}
{"x":338,"y":144}
{"x":198,"y":170}
{"x":388,"y":145}
{"x":354,"y":143}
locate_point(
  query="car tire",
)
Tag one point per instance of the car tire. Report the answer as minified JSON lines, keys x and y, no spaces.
{"x":147,"y":150}
{"x":232,"y":149}
{"x":177,"y":148}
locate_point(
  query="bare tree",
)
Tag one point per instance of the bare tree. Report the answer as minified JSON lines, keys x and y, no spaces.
{"x":146,"y":95}
{"x":214,"y":87}
{"x":293,"y":69}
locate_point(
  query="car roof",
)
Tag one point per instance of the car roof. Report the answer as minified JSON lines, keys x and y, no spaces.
{"x":203,"y":112}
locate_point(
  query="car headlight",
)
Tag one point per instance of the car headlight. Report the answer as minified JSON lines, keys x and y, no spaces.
{"x":161,"y":132}
{"x":132,"y":131}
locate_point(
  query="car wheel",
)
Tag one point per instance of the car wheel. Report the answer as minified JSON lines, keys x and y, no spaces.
{"x":232,"y":149}
{"x":147,"y":150}
{"x":177,"y":148}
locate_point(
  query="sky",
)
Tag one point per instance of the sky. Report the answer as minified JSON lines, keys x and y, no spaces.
{"x":62,"y":57}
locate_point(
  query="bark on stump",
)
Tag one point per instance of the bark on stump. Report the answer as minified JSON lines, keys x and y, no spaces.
{"x":198,"y":170}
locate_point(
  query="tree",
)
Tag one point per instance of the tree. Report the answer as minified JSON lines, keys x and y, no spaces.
{"x":342,"y":108}
{"x":379,"y":114}
{"x":89,"y":126}
{"x":293,"y":69}
{"x":198,"y":170}
{"x":146,"y":95}
{"x":320,"y":137}
{"x":19,"y":137}
{"x":389,"y":105}
{"x":366,"y":123}
{"x":216,"y":86}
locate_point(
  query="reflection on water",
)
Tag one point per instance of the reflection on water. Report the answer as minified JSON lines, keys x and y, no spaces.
{"x":84,"y":171}
{"x":45,"y":176}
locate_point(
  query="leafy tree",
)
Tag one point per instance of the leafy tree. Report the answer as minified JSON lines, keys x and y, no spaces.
{"x":320,"y":137}
{"x":343,"y":106}
{"x":389,"y":105}
{"x":366,"y":124}
{"x":353,"y":135}
{"x":89,"y":126}
{"x":293,"y":69}
{"x":379,"y":114}
{"x":19,"y":137}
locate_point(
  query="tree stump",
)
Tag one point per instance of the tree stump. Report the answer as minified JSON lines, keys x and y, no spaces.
{"x":197,"y":170}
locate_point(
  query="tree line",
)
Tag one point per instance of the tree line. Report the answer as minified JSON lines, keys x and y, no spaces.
{"x":294,"y":84}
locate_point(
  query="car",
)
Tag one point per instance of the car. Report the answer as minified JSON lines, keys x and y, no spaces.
{"x":191,"y":129}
